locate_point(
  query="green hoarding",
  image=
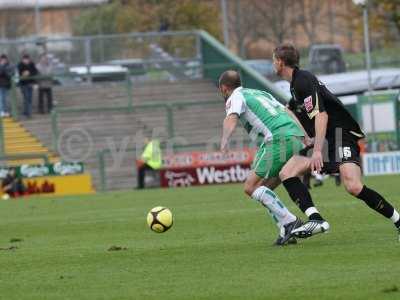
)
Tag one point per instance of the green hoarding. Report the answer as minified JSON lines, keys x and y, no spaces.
{"x":57,"y":169}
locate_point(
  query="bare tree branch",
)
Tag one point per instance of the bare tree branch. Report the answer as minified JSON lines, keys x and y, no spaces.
{"x":276,"y":19}
{"x":310,"y":17}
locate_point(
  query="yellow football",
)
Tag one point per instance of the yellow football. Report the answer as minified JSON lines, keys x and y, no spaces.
{"x":160,"y":219}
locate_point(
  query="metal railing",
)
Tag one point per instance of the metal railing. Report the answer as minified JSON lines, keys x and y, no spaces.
{"x":80,"y":80}
{"x":167,"y":107}
{"x":101,"y":49}
{"x":152,"y":50}
{"x":213,"y":52}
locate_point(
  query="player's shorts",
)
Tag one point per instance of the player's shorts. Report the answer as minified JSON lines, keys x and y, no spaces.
{"x":338,"y":152}
{"x":272,"y":156}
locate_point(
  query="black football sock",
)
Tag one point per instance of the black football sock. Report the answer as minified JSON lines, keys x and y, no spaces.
{"x":397,"y":224}
{"x":300,"y":195}
{"x":376,"y":202}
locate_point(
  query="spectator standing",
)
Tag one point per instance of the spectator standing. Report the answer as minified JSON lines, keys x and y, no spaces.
{"x":150,"y":160}
{"x":27,"y":70}
{"x":45,"y":69}
{"x":6,"y":73}
{"x":12,"y":185}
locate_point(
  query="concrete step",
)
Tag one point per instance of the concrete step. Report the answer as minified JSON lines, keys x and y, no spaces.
{"x":12,"y":127}
{"x":24,"y":147}
{"x":29,"y":161}
{"x":20,"y":137}
{"x":10,"y":131}
{"x":18,"y":140}
{"x":26,"y":150}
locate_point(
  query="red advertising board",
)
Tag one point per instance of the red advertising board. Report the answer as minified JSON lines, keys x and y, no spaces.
{"x":201,"y":168}
{"x":196,"y":159}
{"x":204,"y":175}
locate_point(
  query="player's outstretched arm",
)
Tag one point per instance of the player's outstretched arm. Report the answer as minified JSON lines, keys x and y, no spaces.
{"x":229,"y":127}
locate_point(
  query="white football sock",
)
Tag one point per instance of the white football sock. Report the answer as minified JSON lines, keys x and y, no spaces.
{"x":396,"y":217}
{"x":279,"y":225}
{"x":271,"y":201}
{"x":311,"y":210}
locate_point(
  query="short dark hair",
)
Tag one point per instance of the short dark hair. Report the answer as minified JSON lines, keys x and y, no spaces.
{"x":288,"y":54}
{"x":231,"y":79}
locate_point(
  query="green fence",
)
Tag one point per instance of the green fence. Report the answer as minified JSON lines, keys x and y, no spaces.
{"x":168,"y":108}
{"x":212,"y":56}
{"x":126,"y":82}
{"x":215,"y":54}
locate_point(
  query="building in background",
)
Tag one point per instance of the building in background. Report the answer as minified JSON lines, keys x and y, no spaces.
{"x":51,"y":18}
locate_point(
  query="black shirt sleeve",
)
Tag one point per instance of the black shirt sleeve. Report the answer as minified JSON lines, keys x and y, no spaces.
{"x":307,"y":89}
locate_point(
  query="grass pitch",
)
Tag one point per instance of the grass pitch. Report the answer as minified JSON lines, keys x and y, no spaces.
{"x":219,"y":248}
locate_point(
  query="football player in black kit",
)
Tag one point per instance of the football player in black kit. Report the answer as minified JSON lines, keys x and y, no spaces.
{"x":333,"y":136}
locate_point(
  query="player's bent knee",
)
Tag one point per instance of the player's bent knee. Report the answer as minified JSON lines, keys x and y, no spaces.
{"x":353,"y":187}
{"x":293,"y":168}
{"x":351,"y":183}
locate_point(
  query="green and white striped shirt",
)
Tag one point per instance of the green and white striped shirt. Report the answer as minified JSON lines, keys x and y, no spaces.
{"x":261,"y":114}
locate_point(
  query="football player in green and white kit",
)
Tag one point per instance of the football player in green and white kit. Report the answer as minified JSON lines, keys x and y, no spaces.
{"x":263,"y":116}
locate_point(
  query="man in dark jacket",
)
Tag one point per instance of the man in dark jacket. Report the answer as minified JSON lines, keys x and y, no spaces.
{"x":12,"y":185}
{"x":6,"y":72}
{"x":26,"y":70}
